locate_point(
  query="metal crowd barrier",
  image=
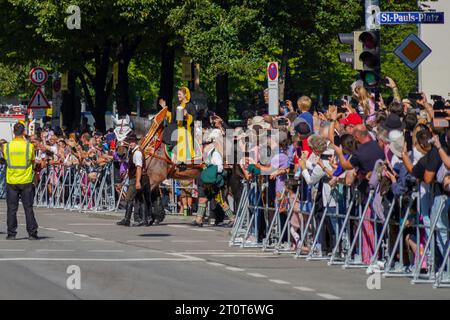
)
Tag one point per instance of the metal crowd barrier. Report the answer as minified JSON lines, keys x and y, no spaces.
{"x":358,"y":221}
{"x":72,"y":188}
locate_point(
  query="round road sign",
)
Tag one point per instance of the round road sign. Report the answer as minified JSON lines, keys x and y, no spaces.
{"x":38,"y":76}
{"x":272,"y":71}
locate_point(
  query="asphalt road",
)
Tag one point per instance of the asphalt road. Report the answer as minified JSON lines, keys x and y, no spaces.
{"x":169,"y":261}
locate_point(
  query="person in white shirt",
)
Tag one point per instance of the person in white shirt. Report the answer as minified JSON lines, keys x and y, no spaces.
{"x":213,"y":157}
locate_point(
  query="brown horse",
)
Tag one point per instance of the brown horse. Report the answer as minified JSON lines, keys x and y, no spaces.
{"x":158,"y":166}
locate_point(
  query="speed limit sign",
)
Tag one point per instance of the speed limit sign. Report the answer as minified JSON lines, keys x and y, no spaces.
{"x":38,"y":76}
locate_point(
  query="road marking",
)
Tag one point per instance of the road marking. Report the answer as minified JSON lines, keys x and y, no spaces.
{"x":177,"y":226}
{"x":328,"y":296}
{"x":279,"y":281}
{"x":201,"y":230}
{"x":188,"y":241}
{"x":231,"y":255}
{"x":12,"y":250}
{"x":216,"y":264}
{"x":257,"y":275}
{"x":144,"y":241}
{"x":201,"y":252}
{"x":306,"y":289}
{"x":51,"y":229}
{"x":98,"y":239}
{"x":68,"y":232}
{"x":235,"y":269}
{"x":91,"y":224}
{"x":81,"y":235}
{"x":105,"y":250}
{"x":54,"y":250}
{"x":101,"y":260}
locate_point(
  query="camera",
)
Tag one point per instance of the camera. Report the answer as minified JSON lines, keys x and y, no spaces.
{"x":282,"y":122}
{"x":414,"y":95}
{"x":436,"y":97}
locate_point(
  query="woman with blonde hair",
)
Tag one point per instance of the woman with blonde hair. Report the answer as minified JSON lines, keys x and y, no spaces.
{"x":366,"y":105}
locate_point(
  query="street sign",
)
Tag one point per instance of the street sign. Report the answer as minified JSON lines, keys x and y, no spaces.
{"x":411,"y":18}
{"x":272,"y":74}
{"x":412,"y":51}
{"x":38,"y":76}
{"x":38,"y":101}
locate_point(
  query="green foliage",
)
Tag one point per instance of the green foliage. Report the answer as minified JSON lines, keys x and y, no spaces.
{"x":237,"y":37}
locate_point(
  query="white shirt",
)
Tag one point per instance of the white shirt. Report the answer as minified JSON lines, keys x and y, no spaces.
{"x":137,"y":157}
{"x":215,"y":158}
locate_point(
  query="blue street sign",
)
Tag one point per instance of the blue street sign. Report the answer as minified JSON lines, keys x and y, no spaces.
{"x":411,"y":18}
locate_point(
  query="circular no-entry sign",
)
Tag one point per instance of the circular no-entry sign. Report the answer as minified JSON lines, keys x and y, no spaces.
{"x":38,"y":76}
{"x":272,"y":71}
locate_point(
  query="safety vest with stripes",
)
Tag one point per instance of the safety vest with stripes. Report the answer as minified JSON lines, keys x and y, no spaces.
{"x":19,"y":156}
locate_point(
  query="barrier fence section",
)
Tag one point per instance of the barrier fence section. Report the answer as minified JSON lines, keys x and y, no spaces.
{"x":359,"y":229}
{"x":76,"y":188}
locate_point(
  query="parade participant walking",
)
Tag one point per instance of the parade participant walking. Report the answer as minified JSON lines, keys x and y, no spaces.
{"x":212,"y":179}
{"x":19,"y":156}
{"x":135,"y":188}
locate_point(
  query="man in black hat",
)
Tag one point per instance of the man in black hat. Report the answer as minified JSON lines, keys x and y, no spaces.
{"x":135,"y":188}
{"x":393,"y":122}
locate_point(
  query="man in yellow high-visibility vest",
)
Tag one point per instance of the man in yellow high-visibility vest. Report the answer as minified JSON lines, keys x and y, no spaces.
{"x":19,"y":156}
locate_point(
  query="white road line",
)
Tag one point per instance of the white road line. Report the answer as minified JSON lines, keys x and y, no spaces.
{"x":216,"y":264}
{"x":144,"y":241}
{"x":51,"y":229}
{"x":306,"y":289}
{"x":230,"y":255}
{"x":279,"y":281}
{"x":257,"y":275}
{"x":98,"y":239}
{"x":200,"y":252}
{"x":91,"y":224}
{"x":105,"y":250}
{"x":54,"y":250}
{"x":177,"y":226}
{"x":12,"y":250}
{"x":68,"y":232}
{"x":191,"y":258}
{"x":201,"y":230}
{"x":81,"y":235}
{"x":235,"y":269}
{"x":100,"y":260}
{"x":188,"y":241}
{"x":328,"y":296}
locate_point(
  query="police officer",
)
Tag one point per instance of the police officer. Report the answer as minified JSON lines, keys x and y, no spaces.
{"x":19,"y":156}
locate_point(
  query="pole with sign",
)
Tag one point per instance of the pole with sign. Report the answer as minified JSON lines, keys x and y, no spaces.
{"x":272,"y":76}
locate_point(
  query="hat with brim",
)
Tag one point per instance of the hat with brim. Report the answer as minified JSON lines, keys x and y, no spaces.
{"x":258,"y":124}
{"x":393,"y":122}
{"x":396,"y":142}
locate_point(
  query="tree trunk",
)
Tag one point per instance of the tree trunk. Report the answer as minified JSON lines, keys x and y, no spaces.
{"x":100,"y":85}
{"x":284,"y":67}
{"x":87,"y":94}
{"x":70,"y":109}
{"x":167,"y":72}
{"x":223,"y":100}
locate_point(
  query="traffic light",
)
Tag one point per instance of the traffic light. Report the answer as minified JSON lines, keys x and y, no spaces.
{"x":370,"y":58}
{"x":351,"y":39}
